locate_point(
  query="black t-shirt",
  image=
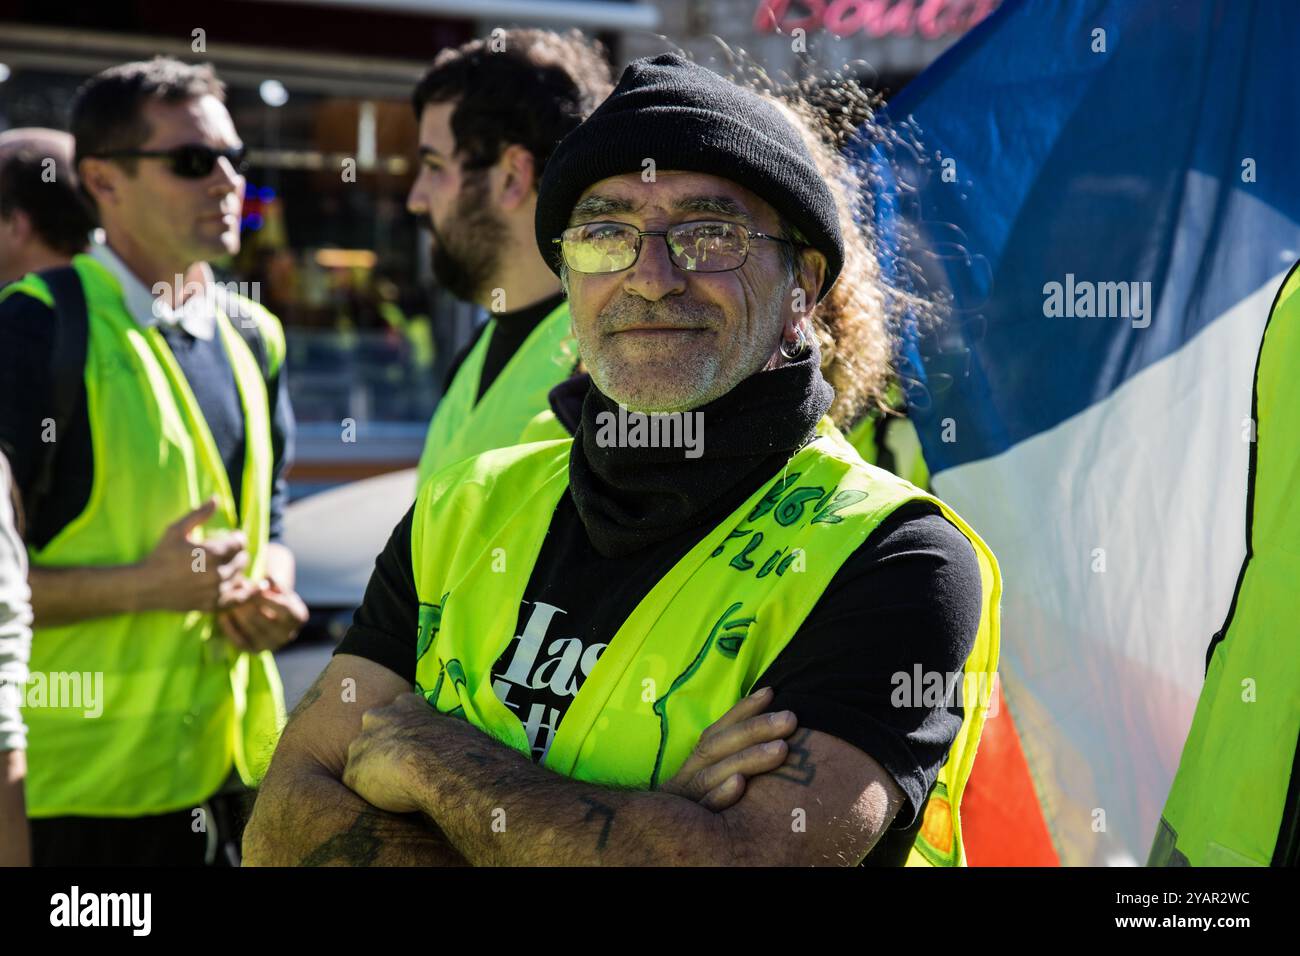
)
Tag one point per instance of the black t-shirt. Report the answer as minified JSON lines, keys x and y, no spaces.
{"x":908,"y":597}
{"x":511,"y":331}
{"x":26,"y":389}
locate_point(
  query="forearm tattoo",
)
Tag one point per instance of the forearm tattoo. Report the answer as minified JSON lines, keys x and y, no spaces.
{"x":601,"y":810}
{"x":358,"y":845}
{"x":799,"y":766}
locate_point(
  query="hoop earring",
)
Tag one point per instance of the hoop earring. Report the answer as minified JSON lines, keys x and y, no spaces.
{"x":797,"y":349}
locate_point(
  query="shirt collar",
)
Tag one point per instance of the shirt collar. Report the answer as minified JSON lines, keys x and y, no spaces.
{"x":197,"y":315}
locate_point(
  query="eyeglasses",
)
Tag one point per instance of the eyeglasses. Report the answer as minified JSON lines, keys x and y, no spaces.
{"x":601,"y":247}
{"x":192,"y":161}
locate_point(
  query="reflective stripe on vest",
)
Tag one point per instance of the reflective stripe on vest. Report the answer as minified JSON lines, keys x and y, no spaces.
{"x":1234,"y":801}
{"x":249,"y":313}
{"x":461,"y":427}
{"x":699,"y":639}
{"x":172,"y":705}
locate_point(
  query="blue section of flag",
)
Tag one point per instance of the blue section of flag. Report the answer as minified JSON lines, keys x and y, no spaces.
{"x":1074,"y":162}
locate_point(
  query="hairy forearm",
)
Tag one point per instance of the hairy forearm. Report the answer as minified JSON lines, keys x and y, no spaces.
{"x":67,"y":595}
{"x":498,"y":808}
{"x":308,"y":818}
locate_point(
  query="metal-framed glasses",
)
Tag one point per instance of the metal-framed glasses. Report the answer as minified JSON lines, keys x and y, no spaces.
{"x":191,"y":161}
{"x":595,"y":248}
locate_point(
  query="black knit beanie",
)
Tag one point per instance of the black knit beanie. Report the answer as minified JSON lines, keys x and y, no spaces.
{"x":688,"y":118}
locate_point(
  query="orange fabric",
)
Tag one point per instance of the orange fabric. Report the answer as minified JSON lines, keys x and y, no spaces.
{"x":1002,"y":822}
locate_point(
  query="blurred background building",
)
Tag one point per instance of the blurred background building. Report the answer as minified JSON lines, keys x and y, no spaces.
{"x":317,"y":85}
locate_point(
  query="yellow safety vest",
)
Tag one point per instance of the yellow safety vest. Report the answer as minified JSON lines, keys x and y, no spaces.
{"x":1235,"y":800}
{"x":461,"y":427}
{"x":900,"y":439}
{"x":543,"y":427}
{"x":178,"y":704}
{"x":700,"y":638}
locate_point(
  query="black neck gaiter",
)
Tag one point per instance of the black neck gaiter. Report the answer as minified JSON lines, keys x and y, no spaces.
{"x":634,"y":497}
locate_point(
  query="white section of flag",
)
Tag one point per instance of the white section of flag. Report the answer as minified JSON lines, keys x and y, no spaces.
{"x":1102,"y":669}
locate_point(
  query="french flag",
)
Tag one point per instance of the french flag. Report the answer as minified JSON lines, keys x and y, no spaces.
{"x":1108,"y":191}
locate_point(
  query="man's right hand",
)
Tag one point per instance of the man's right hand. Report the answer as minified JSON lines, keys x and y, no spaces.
{"x":740,"y":744}
{"x":187,"y":575}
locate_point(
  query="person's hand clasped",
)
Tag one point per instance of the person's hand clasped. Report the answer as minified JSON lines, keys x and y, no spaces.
{"x":742,"y":743}
{"x":377,"y":769}
{"x":266,"y":620}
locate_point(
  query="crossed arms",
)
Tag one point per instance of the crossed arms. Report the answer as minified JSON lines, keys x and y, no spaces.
{"x":406,"y":785}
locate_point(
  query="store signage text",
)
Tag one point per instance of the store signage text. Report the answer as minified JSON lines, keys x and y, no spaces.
{"x":877,"y":18}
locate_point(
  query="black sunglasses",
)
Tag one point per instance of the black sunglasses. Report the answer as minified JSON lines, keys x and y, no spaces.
{"x":192,"y":161}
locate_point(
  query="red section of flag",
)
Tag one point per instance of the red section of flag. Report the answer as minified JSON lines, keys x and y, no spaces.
{"x":1001,"y":821}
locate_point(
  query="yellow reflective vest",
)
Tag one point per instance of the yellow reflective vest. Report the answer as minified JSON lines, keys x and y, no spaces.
{"x":700,"y":638}
{"x":462,"y":427}
{"x":177,"y":707}
{"x":1235,"y":799}
{"x":891,"y":442}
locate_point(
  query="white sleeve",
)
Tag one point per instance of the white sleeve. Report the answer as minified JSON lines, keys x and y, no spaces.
{"x":15,"y":622}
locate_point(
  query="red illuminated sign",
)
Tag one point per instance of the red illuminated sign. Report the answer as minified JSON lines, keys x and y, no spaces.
{"x":877,"y":18}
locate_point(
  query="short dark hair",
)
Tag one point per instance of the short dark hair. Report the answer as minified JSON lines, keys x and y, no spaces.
{"x":533,"y":92}
{"x":52,"y":203}
{"x":108,"y":110}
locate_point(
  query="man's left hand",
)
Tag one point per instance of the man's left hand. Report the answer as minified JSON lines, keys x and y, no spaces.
{"x":377,"y":767}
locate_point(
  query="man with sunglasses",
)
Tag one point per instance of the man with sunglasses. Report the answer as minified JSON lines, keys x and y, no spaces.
{"x":575,"y":616}
{"x":147,"y":419}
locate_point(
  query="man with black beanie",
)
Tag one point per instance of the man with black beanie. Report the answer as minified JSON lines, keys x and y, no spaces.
{"x":585,"y":622}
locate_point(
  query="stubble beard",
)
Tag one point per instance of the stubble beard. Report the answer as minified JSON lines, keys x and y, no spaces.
{"x":685,"y":373}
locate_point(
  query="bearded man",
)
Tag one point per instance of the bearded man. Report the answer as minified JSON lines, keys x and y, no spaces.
{"x":491,"y":112}
{"x":604,"y":633}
